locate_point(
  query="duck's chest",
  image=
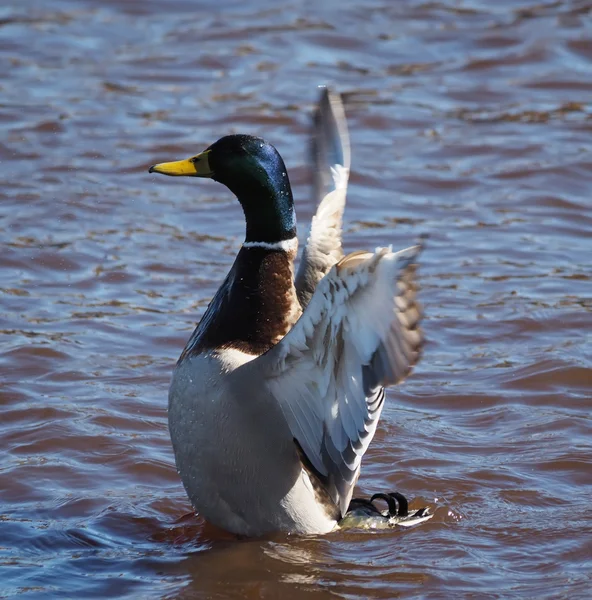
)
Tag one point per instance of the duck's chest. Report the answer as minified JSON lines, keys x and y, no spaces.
{"x":255,"y":306}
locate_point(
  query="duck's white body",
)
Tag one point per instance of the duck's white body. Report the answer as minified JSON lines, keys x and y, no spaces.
{"x":236,"y":454}
{"x":278,"y":393}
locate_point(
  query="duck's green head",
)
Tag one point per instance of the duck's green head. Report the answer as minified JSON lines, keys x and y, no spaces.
{"x":255,"y":172}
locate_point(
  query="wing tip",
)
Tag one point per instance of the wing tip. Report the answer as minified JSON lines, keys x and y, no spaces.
{"x":330,"y":129}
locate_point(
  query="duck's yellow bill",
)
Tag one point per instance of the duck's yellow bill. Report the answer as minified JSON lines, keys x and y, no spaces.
{"x":196,"y":166}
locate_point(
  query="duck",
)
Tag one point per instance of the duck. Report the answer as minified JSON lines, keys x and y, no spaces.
{"x":278,"y":392}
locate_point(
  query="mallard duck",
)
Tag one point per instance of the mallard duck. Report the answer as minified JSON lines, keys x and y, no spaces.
{"x":279,"y":390}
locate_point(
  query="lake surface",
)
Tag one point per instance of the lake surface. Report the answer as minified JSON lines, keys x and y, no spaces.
{"x":470,"y":121}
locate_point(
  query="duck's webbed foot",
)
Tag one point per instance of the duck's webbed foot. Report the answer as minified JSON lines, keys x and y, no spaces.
{"x":364,"y":514}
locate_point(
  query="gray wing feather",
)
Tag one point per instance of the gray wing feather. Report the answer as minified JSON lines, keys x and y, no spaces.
{"x":359,"y":333}
{"x":329,"y":142}
{"x":330,"y":151}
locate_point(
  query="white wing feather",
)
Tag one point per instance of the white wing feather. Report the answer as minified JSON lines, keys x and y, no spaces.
{"x":359,"y":332}
{"x":331,"y":161}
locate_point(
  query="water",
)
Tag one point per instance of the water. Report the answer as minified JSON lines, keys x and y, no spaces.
{"x":470,"y":121}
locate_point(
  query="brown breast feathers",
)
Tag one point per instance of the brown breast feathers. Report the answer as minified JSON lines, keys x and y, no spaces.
{"x":254,"y":307}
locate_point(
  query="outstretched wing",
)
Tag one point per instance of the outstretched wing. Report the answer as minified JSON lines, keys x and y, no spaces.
{"x":359,"y":332}
{"x":331,"y":161}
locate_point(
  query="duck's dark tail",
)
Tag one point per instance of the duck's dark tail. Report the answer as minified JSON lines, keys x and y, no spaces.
{"x":364,"y":514}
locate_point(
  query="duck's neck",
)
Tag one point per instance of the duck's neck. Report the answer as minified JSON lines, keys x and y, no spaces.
{"x":268,"y":206}
{"x":257,"y":303}
{"x":255,"y":306}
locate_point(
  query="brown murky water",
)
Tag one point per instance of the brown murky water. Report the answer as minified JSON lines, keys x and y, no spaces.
{"x":470,"y":121}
